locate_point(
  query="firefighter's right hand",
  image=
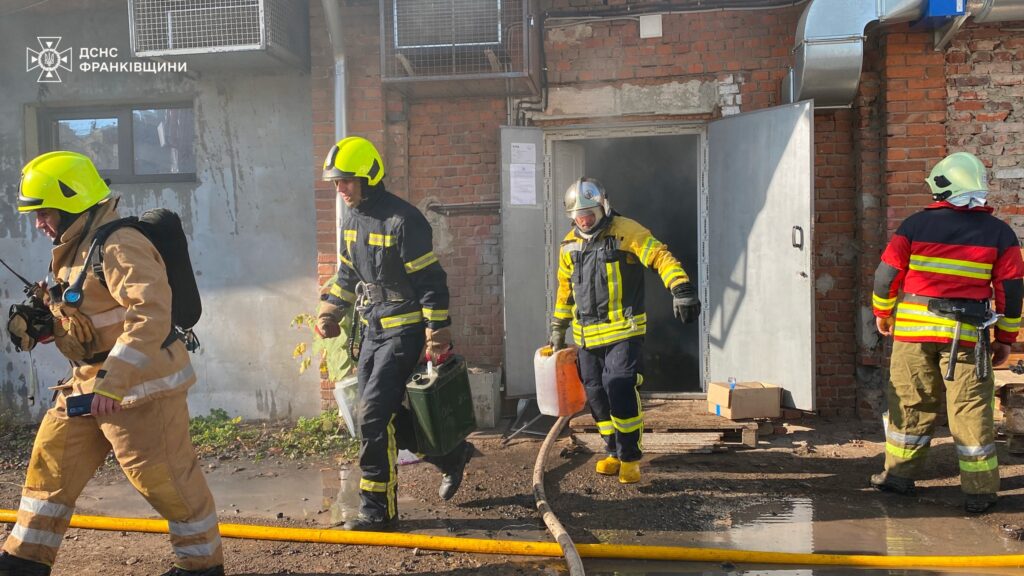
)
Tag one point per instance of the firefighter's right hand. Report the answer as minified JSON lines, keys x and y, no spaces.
{"x":327,"y":327}
{"x":685,"y":303}
{"x":884,"y":325}
{"x":557,"y":339}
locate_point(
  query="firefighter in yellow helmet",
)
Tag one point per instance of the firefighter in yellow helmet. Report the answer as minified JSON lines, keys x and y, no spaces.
{"x":601,"y":292}
{"x":948,"y":261}
{"x":125,"y":353}
{"x":389,"y":272}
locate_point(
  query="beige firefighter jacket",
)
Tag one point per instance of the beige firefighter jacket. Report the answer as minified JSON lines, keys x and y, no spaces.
{"x":131,"y":315}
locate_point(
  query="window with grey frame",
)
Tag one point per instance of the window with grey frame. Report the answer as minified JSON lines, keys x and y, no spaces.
{"x":128,"y":144}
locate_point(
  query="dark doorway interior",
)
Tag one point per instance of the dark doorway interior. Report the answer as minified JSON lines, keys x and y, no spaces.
{"x":656,"y":181}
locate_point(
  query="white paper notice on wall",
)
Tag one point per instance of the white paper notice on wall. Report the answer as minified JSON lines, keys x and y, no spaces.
{"x":523,"y":184}
{"x":523,"y":153}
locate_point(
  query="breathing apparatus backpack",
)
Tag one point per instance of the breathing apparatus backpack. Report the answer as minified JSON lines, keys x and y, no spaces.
{"x":163,"y":228}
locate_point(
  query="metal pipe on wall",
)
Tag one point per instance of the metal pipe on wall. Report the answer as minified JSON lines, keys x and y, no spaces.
{"x":985,"y":11}
{"x":332,"y":14}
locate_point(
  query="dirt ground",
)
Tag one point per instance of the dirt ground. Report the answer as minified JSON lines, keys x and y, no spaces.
{"x":681,"y":500}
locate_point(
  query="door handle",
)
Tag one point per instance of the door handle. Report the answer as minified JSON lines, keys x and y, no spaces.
{"x":798,"y":237}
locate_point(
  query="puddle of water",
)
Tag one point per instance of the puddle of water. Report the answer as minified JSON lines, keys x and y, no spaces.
{"x":803,"y":525}
{"x":325,"y":497}
{"x":607,"y":568}
{"x":255,"y":493}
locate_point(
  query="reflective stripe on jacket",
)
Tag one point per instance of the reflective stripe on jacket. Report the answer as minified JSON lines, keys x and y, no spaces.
{"x":389,"y":243}
{"x":601,"y":281}
{"x":949,"y":252}
{"x":131,"y":314}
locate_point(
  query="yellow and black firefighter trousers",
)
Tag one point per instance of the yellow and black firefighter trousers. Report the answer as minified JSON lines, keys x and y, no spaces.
{"x":611,"y":376}
{"x":151,"y":443}
{"x":915,"y":397}
{"x":386,"y":426}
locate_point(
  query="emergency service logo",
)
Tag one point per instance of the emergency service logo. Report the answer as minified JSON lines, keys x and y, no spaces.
{"x":49,"y":59}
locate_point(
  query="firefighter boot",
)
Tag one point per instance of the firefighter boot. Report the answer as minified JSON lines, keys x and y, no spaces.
{"x":979,"y":503}
{"x":367,"y":523}
{"x":14,"y":566}
{"x":452,"y":473}
{"x":629,"y":472}
{"x":889,"y":483}
{"x":212,"y":571}
{"x":608,"y":466}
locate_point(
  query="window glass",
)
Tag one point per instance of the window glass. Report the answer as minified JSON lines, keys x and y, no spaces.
{"x":162,"y":139}
{"x":94,"y":137}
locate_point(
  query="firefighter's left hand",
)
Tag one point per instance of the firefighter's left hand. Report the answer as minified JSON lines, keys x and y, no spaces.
{"x":884,"y":325}
{"x":439,"y":345}
{"x":104,"y":406}
{"x":685,"y":303}
{"x":1000,"y":352}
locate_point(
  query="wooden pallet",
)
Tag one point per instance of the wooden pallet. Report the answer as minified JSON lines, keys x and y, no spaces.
{"x":661,"y":443}
{"x":678,"y":417}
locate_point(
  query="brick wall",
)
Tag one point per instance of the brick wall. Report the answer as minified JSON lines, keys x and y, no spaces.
{"x":985,"y":104}
{"x":914,"y":81}
{"x":869,"y":155}
{"x":755,"y":44}
{"x":836,"y":257}
{"x":453,"y":159}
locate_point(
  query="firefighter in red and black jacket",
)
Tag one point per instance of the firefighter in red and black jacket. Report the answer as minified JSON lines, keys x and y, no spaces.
{"x":389,"y":272}
{"x":953,"y":254}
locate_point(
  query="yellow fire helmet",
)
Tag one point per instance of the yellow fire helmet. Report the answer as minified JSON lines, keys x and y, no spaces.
{"x":958,"y":173}
{"x":63,"y":180}
{"x":354,"y":157}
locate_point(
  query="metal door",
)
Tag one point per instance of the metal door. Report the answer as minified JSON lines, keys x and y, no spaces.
{"x":760,"y":301}
{"x":567,"y":161}
{"x":523,"y":254}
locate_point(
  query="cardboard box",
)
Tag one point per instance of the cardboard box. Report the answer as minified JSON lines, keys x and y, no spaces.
{"x":746,"y":400}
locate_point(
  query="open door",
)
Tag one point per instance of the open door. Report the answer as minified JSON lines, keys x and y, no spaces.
{"x":760,"y":301}
{"x":568,"y":161}
{"x":524,"y":254}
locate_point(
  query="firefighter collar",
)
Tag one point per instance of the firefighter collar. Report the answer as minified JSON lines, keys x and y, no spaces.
{"x":946,"y":204}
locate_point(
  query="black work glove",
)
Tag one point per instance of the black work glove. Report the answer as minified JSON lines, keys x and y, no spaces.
{"x":557,"y":339}
{"x":685,"y":303}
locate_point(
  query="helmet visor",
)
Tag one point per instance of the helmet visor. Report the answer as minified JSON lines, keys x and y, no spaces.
{"x":586,"y":218}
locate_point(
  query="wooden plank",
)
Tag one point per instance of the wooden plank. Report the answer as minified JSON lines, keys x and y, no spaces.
{"x":704,"y":443}
{"x":674,"y":416}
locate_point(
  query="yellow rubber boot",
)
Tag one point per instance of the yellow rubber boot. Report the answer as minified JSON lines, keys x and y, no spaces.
{"x":629,"y":472}
{"x":608,"y":466}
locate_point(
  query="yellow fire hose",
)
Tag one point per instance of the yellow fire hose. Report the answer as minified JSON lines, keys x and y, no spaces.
{"x":550,"y":549}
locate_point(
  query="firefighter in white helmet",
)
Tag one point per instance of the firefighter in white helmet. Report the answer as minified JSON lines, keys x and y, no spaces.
{"x":948,"y":260}
{"x":601,"y":293}
{"x":124,"y":351}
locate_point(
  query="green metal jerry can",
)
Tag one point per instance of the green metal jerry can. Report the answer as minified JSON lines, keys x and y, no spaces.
{"x":442,"y":407}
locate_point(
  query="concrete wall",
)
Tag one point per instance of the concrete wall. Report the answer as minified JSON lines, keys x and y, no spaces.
{"x":248,"y":216}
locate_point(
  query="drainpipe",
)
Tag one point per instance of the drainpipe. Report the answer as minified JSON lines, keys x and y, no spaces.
{"x":332,"y":13}
{"x":829,"y":51}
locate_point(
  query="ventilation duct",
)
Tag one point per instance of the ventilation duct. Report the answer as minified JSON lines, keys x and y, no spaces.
{"x":985,"y":11}
{"x":829,"y":51}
